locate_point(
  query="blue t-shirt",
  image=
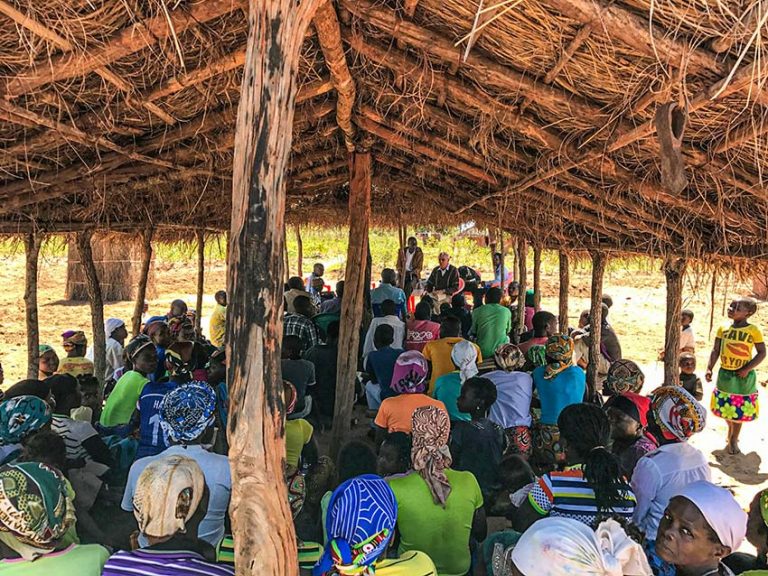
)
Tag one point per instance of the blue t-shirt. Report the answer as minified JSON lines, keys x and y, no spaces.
{"x":152,"y":438}
{"x":381,"y":365}
{"x":567,"y":388}
{"x":447,"y":390}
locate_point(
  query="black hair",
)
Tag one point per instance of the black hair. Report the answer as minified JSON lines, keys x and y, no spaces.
{"x":340,"y":288}
{"x":47,"y":447}
{"x":540,"y":321}
{"x":688,"y":313}
{"x":515,"y":472}
{"x":388,"y":275}
{"x":686,"y":356}
{"x":292,"y":346}
{"x":587,"y":431}
{"x":423,"y":311}
{"x":384,"y":334}
{"x":450,"y":327}
{"x":388,"y":308}
{"x":484,"y":389}
{"x":62,"y":387}
{"x":355,"y":458}
{"x":458,"y":301}
{"x":493,"y":296}
{"x":295,"y":283}
{"x":401,"y":442}
{"x":88,"y":381}
{"x":332,"y":330}
{"x":302,"y":304}
{"x":607,"y":300}
{"x":39,"y":388}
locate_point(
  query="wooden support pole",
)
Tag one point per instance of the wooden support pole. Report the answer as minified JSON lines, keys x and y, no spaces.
{"x":354,"y":294}
{"x":565,"y":282}
{"x":262,"y":523}
{"x":674,"y":270}
{"x":141,"y":289}
{"x":299,"y":252}
{"x":200,"y":278}
{"x":537,"y":277}
{"x":503,"y":264}
{"x":97,"y":305}
{"x":32,"y":243}
{"x":599,"y":260}
{"x":522,"y":257}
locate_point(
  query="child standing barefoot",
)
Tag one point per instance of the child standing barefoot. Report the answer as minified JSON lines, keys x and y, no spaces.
{"x":735,"y":395}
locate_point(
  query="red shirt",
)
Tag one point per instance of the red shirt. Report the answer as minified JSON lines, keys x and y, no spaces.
{"x":419,"y":333}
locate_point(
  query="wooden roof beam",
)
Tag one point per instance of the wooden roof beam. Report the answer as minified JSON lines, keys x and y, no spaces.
{"x":125,"y":42}
{"x":326,"y":25}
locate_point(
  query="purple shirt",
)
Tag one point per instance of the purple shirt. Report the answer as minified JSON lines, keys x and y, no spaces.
{"x":162,"y":563}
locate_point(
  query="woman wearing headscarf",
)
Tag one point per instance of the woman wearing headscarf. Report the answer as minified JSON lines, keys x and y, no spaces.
{"x":440,"y":509}
{"x":628,"y":415}
{"x":565,"y":547}
{"x":623,"y":376}
{"x":116,"y":333}
{"x":757,"y":535}
{"x":35,"y":514}
{"x":75,"y":344}
{"x":702,"y":524}
{"x":409,"y":380}
{"x":559,"y":384}
{"x":47,"y":361}
{"x":359,"y":526}
{"x":514,"y":391}
{"x":448,"y":386}
{"x":675,"y":417}
{"x":170,"y":523}
{"x":20,"y":418}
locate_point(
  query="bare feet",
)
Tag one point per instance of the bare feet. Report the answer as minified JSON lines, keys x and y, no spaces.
{"x":733,"y":448}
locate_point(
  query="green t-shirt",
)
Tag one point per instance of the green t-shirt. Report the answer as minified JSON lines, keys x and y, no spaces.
{"x":86,"y":560}
{"x":122,"y":402}
{"x":447,"y":390}
{"x":491,"y":323}
{"x":441,"y":533}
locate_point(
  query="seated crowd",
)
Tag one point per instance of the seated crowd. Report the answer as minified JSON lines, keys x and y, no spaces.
{"x":473,"y":411}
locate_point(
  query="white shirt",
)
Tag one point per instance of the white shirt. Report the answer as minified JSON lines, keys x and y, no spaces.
{"x":408,"y":259}
{"x":215,"y":468}
{"x":513,"y":398}
{"x":687,"y":338}
{"x":397,"y":325}
{"x":659,"y":476}
{"x":114,"y":356}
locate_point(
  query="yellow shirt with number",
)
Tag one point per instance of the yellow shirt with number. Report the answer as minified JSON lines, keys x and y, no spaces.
{"x":737,"y":345}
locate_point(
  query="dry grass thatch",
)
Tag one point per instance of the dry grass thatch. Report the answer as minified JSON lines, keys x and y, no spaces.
{"x":536,"y":116}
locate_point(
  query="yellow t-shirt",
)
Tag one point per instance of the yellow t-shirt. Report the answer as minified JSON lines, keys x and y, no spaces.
{"x":297,"y":434}
{"x":77,"y":366}
{"x":438,"y":352}
{"x":218,"y":325}
{"x":412,"y":563}
{"x":737,"y":345}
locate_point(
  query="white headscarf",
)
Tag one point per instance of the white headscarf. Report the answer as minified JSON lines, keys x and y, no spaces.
{"x":464,"y":356}
{"x":564,"y":547}
{"x":112,"y":324}
{"x":720,"y":510}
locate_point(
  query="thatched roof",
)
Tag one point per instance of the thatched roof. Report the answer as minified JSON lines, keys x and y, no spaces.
{"x":121,"y":113}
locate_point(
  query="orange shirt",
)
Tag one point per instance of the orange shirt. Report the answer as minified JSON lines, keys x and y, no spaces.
{"x":396,"y":413}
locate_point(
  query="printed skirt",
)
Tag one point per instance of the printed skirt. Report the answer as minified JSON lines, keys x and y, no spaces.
{"x":519,"y":440}
{"x":728,"y":404}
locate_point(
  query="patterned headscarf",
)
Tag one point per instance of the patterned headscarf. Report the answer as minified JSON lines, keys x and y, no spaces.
{"x":764,"y":506}
{"x":176,"y":323}
{"x":178,"y":360}
{"x":43,"y":348}
{"x":464,"y":356}
{"x":361,"y":519}
{"x":509,"y":357}
{"x":187,"y":411}
{"x":677,"y":413}
{"x":559,"y":350}
{"x":33,"y":508}
{"x":167,"y":495}
{"x":137,"y":345}
{"x":430,"y":454}
{"x":624,"y":376}
{"x":21,"y":416}
{"x":73,"y":338}
{"x":410,"y":373}
{"x":153,"y":325}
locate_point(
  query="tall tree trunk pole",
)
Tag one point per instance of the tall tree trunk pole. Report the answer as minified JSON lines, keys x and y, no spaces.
{"x":537,"y":277}
{"x":97,"y":305}
{"x":353,"y":303}
{"x":300,"y":252}
{"x":565,"y":283}
{"x":674,"y":270}
{"x":522,"y":257}
{"x":32,"y":243}
{"x":200,"y":279}
{"x":141,"y":290}
{"x":287,"y":273}
{"x":595,"y":319}
{"x":265,"y":541}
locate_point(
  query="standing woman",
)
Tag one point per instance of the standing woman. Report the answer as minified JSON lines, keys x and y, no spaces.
{"x":75,"y":345}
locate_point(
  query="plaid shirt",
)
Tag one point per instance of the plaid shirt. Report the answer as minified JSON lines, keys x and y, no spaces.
{"x":303,"y":327}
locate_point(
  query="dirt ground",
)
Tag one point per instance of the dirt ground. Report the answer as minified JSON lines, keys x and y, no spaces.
{"x":637,"y":315}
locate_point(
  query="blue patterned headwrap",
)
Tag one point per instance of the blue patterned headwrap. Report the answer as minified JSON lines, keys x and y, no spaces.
{"x":187,"y":411}
{"x":21,"y":416}
{"x":362,"y":514}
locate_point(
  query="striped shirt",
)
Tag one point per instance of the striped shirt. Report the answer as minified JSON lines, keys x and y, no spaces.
{"x":162,"y":563}
{"x":568,"y":494}
{"x":74,"y":433}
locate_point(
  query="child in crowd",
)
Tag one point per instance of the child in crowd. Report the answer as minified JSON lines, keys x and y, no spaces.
{"x":688,"y":378}
{"x":47,"y":362}
{"x":687,"y":336}
{"x":299,"y":372}
{"x":477,"y":446}
{"x":735,"y":395}
{"x":394,"y":455}
{"x":380,"y":364}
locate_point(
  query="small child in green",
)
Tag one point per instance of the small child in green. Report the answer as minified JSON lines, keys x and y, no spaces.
{"x":735,"y":395}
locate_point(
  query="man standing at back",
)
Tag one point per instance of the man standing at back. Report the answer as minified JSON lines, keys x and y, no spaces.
{"x":491,"y":323}
{"x":438,"y":352}
{"x":410,"y":261}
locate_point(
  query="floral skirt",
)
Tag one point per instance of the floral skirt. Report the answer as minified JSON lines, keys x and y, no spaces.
{"x":518,"y":440}
{"x":735,"y":407}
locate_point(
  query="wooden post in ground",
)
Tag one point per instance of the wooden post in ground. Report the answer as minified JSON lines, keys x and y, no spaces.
{"x":32,"y":243}
{"x":141,"y":290}
{"x":265,"y":540}
{"x":200,"y":278}
{"x":522,"y":257}
{"x":537,"y":277}
{"x":674,"y":270}
{"x":300,"y":252}
{"x":97,"y":305}
{"x":503,"y":252}
{"x":565,"y":282}
{"x":595,"y":319}
{"x":354,"y":294}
